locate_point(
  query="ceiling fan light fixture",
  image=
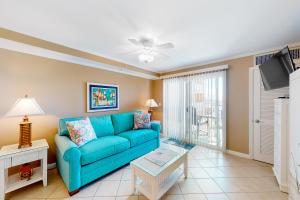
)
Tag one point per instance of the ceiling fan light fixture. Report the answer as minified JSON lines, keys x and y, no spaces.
{"x":149,"y":48}
{"x":146,"y":58}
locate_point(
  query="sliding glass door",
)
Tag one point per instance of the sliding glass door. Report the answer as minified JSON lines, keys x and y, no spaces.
{"x":195,"y":109}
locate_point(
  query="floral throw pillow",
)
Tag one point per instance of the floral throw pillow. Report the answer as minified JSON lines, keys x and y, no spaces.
{"x":141,"y":120}
{"x":81,"y":131}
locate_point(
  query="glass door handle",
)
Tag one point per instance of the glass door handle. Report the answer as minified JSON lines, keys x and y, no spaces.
{"x":257,"y":121}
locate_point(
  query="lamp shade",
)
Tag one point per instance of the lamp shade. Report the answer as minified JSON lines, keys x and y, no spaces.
{"x":199,"y":97}
{"x":151,"y":103}
{"x":24,"y":107}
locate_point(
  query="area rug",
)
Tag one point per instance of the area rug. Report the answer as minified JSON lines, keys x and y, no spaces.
{"x":178,"y":143}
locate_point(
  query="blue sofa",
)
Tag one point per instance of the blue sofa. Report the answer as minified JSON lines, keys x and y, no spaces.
{"x":116,"y":145}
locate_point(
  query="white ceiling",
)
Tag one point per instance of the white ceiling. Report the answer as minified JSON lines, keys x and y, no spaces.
{"x":201,"y":30}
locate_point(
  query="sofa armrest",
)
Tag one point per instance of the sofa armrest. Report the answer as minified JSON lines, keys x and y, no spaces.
{"x":67,"y":148}
{"x":155,"y":125}
{"x":68,"y":162}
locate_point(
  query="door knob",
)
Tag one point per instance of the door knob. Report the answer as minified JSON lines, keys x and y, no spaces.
{"x":257,"y":121}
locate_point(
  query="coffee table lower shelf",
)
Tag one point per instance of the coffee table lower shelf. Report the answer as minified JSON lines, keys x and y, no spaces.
{"x":146,"y":188}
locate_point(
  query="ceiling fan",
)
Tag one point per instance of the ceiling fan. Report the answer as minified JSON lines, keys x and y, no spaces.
{"x":150,"y":48}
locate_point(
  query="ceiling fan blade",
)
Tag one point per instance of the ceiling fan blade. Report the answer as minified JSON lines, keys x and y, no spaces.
{"x":168,"y":45}
{"x":138,"y":51}
{"x":163,"y":56}
{"x":135,"y":41}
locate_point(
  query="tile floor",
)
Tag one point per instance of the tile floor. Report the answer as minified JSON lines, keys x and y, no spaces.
{"x":212,"y":176}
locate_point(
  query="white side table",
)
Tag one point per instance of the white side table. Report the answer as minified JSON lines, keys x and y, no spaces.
{"x":11,"y":156}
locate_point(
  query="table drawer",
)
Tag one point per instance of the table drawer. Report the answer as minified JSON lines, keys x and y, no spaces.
{"x":24,"y":158}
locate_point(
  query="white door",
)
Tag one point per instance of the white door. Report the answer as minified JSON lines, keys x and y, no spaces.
{"x":294,"y":136}
{"x":262,"y":120}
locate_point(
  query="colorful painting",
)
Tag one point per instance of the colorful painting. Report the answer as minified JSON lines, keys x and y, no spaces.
{"x":102,"y":97}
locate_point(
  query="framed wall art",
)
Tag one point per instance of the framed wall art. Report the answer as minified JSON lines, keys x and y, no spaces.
{"x":102,"y":97}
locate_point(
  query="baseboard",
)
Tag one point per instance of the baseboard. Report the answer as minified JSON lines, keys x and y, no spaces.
{"x":51,"y":165}
{"x":294,"y":193}
{"x":239,"y":154}
{"x":282,"y":187}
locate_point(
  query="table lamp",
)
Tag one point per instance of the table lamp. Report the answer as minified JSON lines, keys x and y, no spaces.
{"x":199,"y":97}
{"x":150,"y":103}
{"x":25,"y":107}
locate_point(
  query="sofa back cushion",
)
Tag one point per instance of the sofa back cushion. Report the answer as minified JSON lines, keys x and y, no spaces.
{"x":122,"y":122}
{"x":102,"y":125}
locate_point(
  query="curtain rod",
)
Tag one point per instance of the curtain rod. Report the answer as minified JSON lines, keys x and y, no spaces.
{"x":199,"y":71}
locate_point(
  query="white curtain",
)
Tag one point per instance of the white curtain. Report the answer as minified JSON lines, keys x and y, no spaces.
{"x":195,"y":108}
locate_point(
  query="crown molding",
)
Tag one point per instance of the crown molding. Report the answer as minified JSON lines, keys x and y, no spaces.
{"x":209,"y":69}
{"x":44,"y":44}
{"x":38,"y":51}
{"x":27,"y":44}
{"x":254,"y":53}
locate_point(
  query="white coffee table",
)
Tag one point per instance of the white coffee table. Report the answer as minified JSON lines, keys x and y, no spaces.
{"x":154,"y":180}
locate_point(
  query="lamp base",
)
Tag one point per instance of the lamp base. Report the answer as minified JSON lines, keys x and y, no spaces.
{"x":25,"y":133}
{"x":150,"y":111}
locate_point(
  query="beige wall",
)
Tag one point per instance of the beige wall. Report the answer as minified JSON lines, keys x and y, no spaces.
{"x":157,"y":95}
{"x":237,"y":101}
{"x":60,"y":89}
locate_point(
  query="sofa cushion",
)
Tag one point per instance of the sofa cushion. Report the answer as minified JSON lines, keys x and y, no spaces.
{"x":102,"y":125}
{"x":140,"y":136}
{"x":122,"y":122}
{"x":102,"y":147}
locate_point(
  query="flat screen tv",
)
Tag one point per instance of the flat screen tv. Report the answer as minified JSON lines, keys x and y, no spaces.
{"x":275,"y":72}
